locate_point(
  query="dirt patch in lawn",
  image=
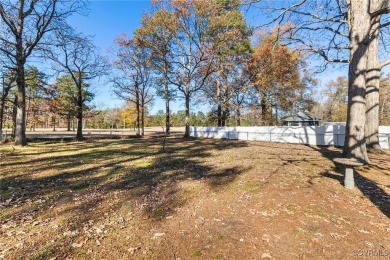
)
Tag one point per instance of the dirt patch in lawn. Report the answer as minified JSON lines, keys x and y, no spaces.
{"x":197,"y":199}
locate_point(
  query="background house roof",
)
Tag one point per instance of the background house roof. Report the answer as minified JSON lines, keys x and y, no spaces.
{"x":301,"y":116}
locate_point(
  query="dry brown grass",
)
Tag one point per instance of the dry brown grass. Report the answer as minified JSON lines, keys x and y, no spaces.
{"x":205,"y":199}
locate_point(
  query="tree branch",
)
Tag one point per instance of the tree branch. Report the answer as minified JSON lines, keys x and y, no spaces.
{"x":384,"y":25}
{"x":382,"y":11}
{"x":325,"y":28}
{"x":384,"y":63}
{"x":7,"y":20}
{"x":30,"y":9}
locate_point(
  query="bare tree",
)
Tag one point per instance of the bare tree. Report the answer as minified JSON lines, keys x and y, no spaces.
{"x":156,"y":34}
{"x":192,"y":60}
{"x":338,"y":31}
{"x":25,"y":24}
{"x":136,"y":79}
{"x":75,"y":55}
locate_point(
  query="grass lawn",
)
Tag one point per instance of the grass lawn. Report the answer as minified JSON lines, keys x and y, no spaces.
{"x":197,"y":199}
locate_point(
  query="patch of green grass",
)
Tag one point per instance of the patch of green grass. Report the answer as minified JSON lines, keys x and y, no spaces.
{"x":253,"y":186}
{"x":44,"y":253}
{"x":219,"y":237}
{"x":197,"y":253}
{"x":290,"y":207}
{"x":297,"y":231}
{"x":192,"y":193}
{"x":142,"y":164}
{"x":250,"y":186}
{"x":318,"y":211}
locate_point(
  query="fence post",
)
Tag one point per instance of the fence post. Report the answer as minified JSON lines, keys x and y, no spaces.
{"x":247,"y":136}
{"x":388,"y":141}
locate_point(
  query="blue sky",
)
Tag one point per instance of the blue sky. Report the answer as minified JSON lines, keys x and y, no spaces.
{"x":106,"y":20}
{"x":109,"y":18}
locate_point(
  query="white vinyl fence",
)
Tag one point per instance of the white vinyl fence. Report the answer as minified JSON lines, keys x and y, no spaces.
{"x":313,"y":135}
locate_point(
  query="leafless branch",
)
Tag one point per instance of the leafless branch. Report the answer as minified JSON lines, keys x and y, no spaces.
{"x":382,"y":11}
{"x":384,"y":63}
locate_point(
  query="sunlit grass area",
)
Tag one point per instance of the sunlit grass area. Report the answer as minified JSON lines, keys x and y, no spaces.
{"x":211,"y":199}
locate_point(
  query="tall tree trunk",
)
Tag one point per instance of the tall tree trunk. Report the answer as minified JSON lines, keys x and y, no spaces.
{"x":1,"y":120}
{"x":68,"y":121}
{"x":372,"y":84}
{"x":54,"y":123}
{"x":224,"y":115}
{"x":137,"y":121}
{"x":79,"y":133}
{"x":187,"y":112}
{"x":263,"y":106}
{"x":225,"y":101}
{"x":167,"y":98}
{"x":20,"y":124}
{"x":167,"y":118}
{"x":270,"y":115}
{"x":238,"y":113}
{"x":14,"y":113}
{"x":142,"y":118}
{"x":79,"y":116}
{"x":29,"y":106}
{"x":35,"y":120}
{"x":359,"y":29}
{"x":276,"y":116}
{"x":219,"y":99}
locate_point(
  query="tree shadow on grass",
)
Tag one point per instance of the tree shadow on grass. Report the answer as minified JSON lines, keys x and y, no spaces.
{"x":370,"y":188}
{"x":79,"y":185}
{"x":180,"y":161}
{"x":374,"y":193}
{"x":51,"y":154}
{"x":159,"y":180}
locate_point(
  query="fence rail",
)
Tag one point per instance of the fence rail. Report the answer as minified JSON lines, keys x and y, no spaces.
{"x":62,"y":133}
{"x":312,"y":136}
